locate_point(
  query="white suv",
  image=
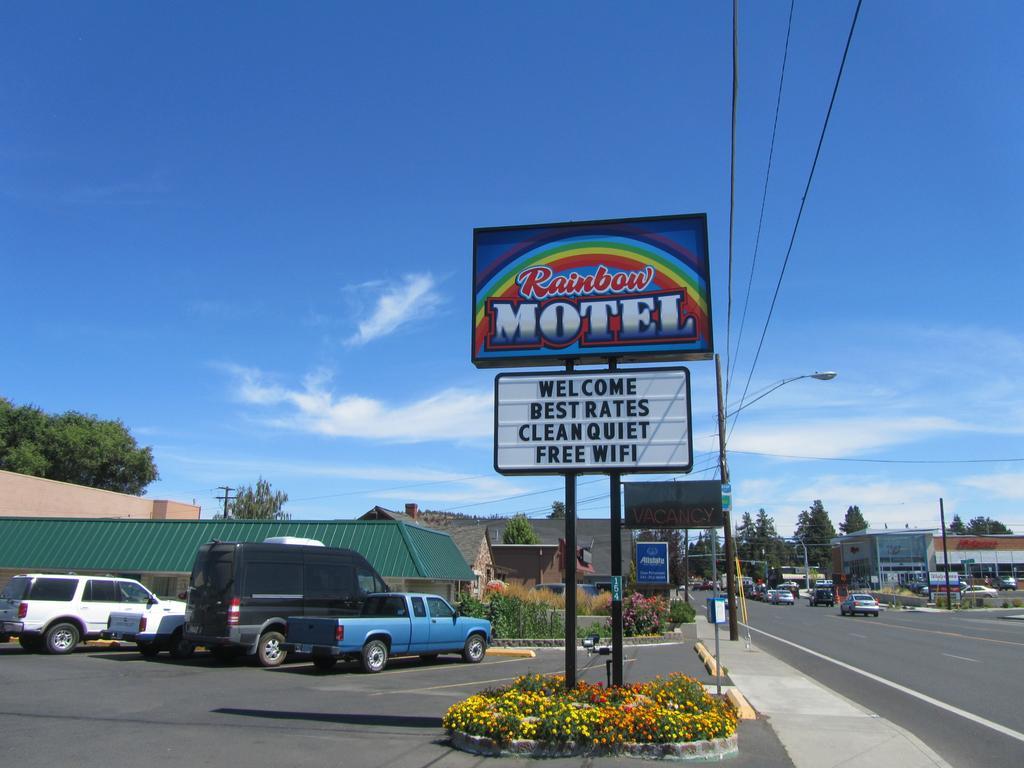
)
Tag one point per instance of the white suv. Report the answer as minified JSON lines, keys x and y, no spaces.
{"x":54,"y":612}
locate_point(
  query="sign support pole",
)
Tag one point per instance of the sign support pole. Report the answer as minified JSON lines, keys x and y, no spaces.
{"x":616,"y":515}
{"x":570,"y":580}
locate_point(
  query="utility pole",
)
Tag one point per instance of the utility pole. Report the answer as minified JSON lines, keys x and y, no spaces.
{"x":730,"y":553}
{"x":945,"y":555}
{"x":225,"y":498}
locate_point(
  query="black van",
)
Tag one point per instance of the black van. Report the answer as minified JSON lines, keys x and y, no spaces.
{"x":241,"y":592}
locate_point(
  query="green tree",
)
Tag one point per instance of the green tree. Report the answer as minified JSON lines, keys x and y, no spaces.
{"x":814,"y":528}
{"x":557,"y":510}
{"x":259,"y":503}
{"x":745,"y":544}
{"x":519,"y":530}
{"x":854,"y":521}
{"x":956,"y":525}
{"x":74,"y":448}
{"x":986,"y":526}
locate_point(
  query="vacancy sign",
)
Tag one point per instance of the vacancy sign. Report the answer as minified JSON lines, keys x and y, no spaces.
{"x":630,"y":420}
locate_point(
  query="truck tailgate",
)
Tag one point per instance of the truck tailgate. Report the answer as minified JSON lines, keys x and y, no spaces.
{"x":307,"y":630}
{"x":123,"y":625}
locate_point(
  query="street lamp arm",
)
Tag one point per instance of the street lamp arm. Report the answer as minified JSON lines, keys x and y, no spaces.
{"x":821,"y":376}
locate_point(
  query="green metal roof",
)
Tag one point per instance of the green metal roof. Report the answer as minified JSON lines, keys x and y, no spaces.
{"x":396,"y":550}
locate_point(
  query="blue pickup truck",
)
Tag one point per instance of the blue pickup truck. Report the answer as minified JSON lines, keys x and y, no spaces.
{"x":390,"y":624}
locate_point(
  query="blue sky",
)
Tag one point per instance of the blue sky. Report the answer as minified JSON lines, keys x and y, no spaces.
{"x":246,"y":231}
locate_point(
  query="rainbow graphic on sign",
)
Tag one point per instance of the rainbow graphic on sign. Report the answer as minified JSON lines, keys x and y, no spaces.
{"x":630,"y":289}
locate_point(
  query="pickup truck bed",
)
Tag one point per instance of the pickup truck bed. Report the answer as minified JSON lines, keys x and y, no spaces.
{"x":391,"y":624}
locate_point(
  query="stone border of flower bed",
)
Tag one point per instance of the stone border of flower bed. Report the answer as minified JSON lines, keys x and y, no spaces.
{"x":683,"y":750}
{"x":559,"y":642}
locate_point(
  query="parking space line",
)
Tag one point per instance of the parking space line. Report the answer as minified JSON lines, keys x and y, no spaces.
{"x":441,"y":687}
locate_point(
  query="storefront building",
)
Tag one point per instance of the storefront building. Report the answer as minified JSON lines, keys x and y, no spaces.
{"x":877,"y":558}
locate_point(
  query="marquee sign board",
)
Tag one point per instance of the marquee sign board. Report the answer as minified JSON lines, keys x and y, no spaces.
{"x":690,"y":504}
{"x":629,"y":420}
{"x":630,"y":289}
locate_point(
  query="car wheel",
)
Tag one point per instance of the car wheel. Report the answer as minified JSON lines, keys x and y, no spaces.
{"x":61,"y":638}
{"x":324,"y":662}
{"x":875,"y":614}
{"x":476,"y":647}
{"x":31,"y":643}
{"x":149,"y":650}
{"x":375,"y":656}
{"x":269,"y":652}
{"x":179,"y":647}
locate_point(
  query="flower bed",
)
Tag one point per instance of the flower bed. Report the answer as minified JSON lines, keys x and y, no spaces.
{"x":537,"y":715}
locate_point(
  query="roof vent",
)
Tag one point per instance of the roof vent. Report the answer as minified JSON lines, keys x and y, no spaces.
{"x":293,"y":540}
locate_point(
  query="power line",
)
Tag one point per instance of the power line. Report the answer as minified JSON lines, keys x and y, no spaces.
{"x":764,"y":197}
{"x":800,"y":211}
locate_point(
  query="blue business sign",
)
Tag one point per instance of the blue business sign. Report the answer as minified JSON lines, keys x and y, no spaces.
{"x":652,"y":562}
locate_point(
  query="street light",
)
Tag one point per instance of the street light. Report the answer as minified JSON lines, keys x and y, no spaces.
{"x":723,"y":465}
{"x":819,"y":375}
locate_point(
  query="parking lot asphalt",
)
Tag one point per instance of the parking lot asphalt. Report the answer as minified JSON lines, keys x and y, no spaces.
{"x":101,"y":706}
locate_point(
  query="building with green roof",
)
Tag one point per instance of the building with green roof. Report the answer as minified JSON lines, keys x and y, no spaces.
{"x":160,"y":552}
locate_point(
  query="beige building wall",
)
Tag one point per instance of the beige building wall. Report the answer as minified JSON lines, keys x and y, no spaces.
{"x":26,"y":496}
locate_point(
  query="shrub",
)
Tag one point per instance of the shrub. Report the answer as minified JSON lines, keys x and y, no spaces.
{"x":643,"y":615}
{"x":1017,"y":602}
{"x":681,"y":612}
{"x":471,"y":606}
{"x":514,"y":617}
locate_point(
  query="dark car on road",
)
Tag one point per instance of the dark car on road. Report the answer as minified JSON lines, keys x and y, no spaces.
{"x":241,"y":593}
{"x":822,"y":596}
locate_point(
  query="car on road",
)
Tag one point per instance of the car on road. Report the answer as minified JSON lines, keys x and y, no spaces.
{"x":241,"y":593}
{"x":1005,"y":582}
{"x":53,"y":613}
{"x":978,"y":591}
{"x":858,"y":602}
{"x":160,"y":628}
{"x":782,"y":597}
{"x":391,"y":624}
{"x":821,"y":596}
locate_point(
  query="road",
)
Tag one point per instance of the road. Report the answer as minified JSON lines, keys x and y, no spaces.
{"x":952,"y":679}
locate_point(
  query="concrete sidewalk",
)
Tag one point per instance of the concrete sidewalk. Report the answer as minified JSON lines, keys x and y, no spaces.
{"x":818,"y":727}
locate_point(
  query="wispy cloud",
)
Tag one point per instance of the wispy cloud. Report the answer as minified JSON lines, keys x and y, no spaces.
{"x":833,"y":438}
{"x":451,"y":414}
{"x":416,"y":295}
{"x":1001,"y":485}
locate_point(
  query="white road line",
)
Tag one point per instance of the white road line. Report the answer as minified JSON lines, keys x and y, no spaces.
{"x":901,"y":688}
{"x":862,"y":637}
{"x":962,"y":658}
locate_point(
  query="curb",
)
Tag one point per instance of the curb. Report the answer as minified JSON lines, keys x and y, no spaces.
{"x":714,"y":749}
{"x":707,"y":658}
{"x":516,"y":653}
{"x":743,"y":709}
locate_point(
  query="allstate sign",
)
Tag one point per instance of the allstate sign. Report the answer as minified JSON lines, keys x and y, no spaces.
{"x":632,"y":289}
{"x":652,"y":562}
